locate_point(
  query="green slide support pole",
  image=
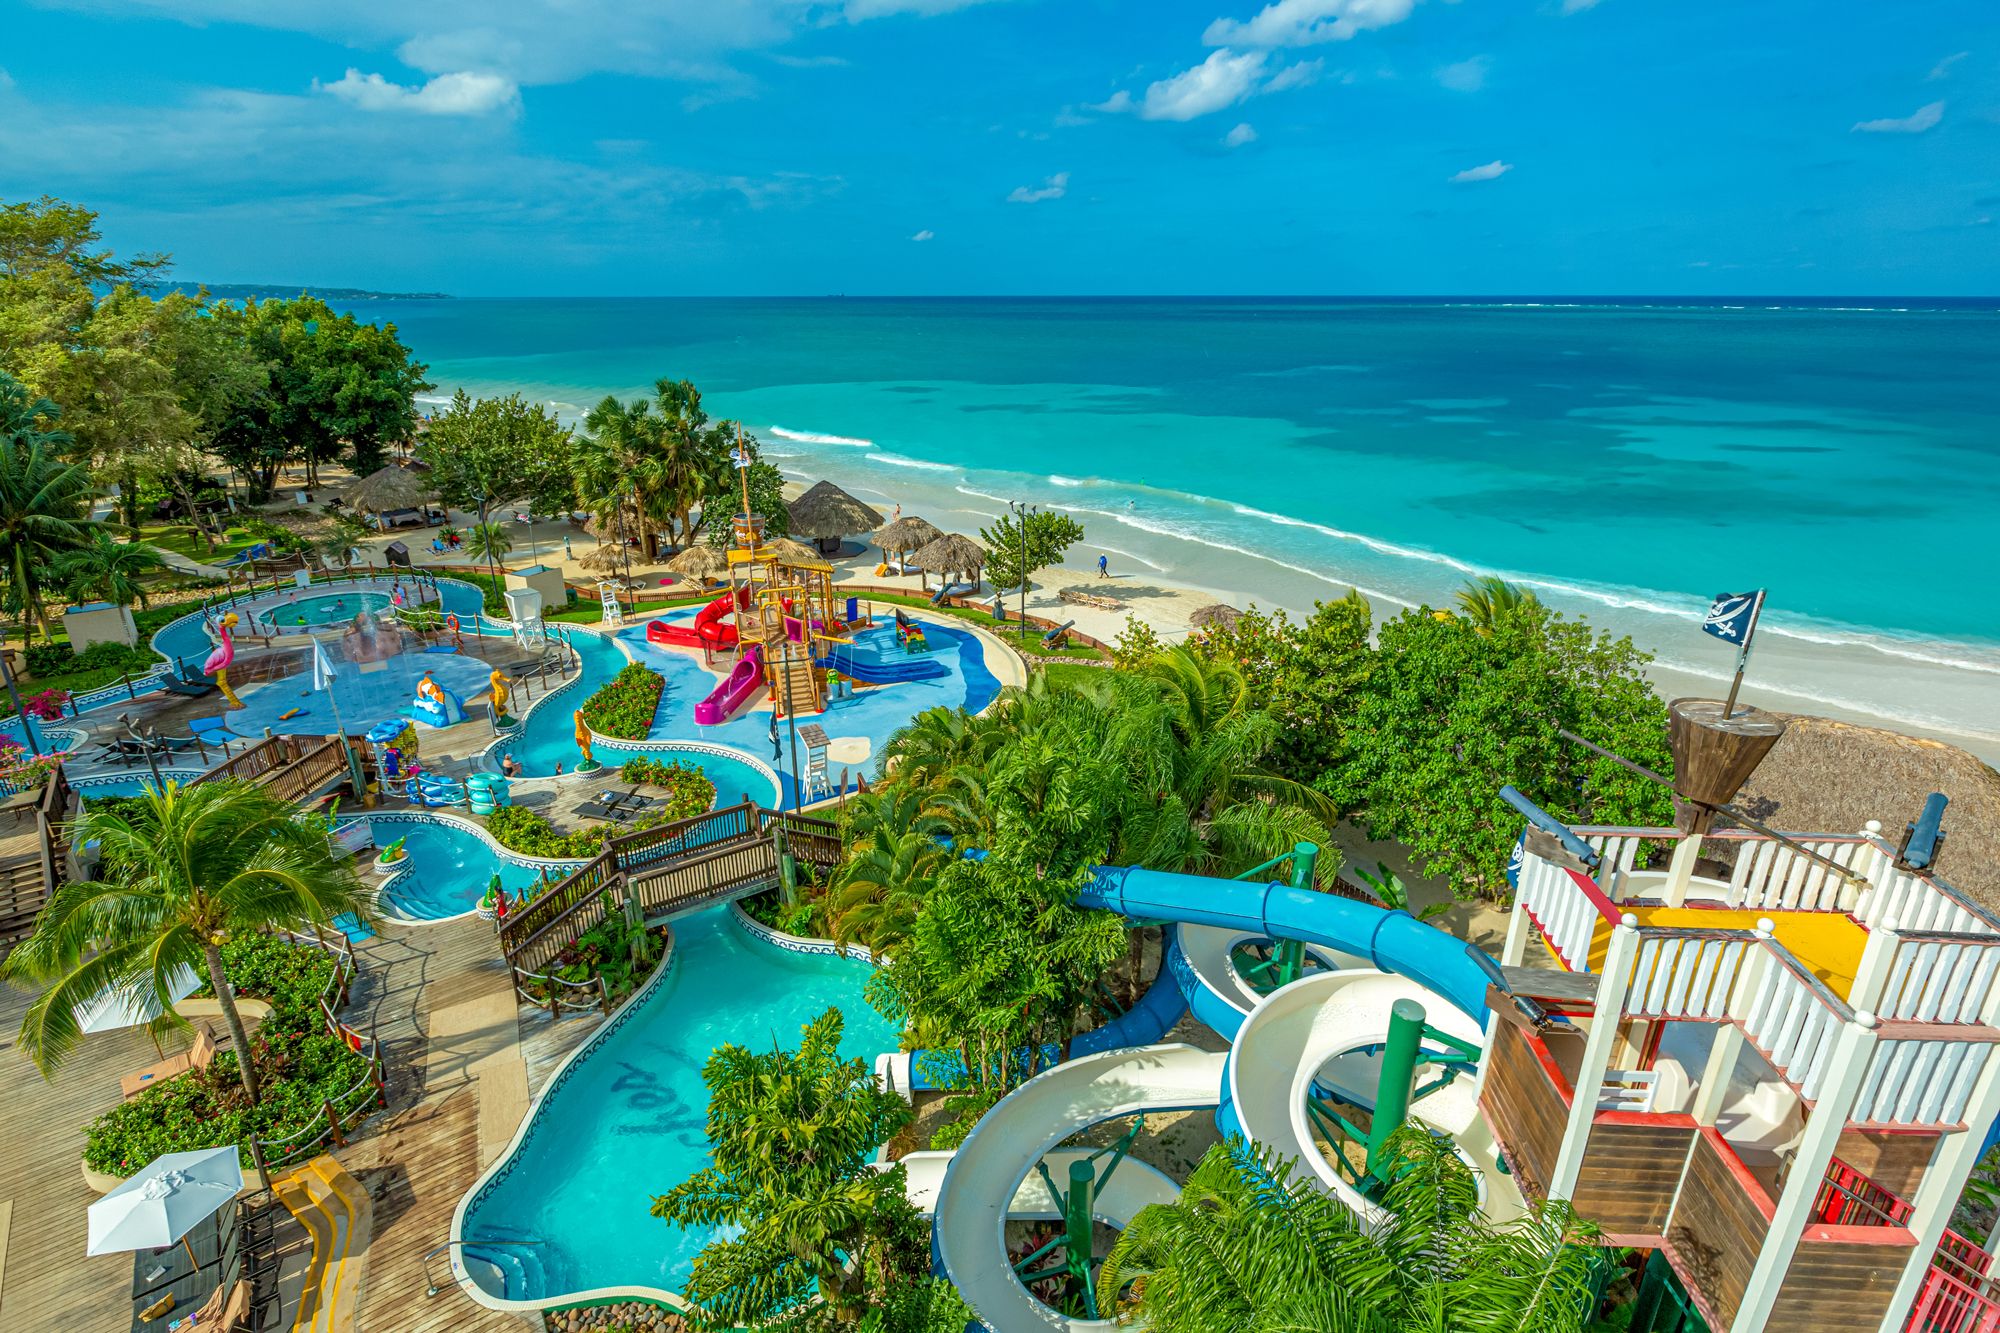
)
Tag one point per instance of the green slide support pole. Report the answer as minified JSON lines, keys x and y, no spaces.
{"x":1291,"y":954}
{"x":1077,"y":1231}
{"x":1399,"y":1076}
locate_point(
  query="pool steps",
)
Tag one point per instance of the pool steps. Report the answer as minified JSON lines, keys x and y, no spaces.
{"x":336,"y":1212}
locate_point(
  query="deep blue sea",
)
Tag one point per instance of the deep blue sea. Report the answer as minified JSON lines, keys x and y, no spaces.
{"x":1625,"y":459}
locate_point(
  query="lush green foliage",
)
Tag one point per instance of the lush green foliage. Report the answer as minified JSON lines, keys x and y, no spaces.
{"x":529,"y":832}
{"x":893,"y":857}
{"x":614,"y":951}
{"x":822,"y":1240}
{"x":689,"y":792}
{"x":499,"y":451}
{"x":1249,"y":1247}
{"x":104,"y":569}
{"x":184,"y":872}
{"x":1451,"y":714}
{"x":1018,"y":548}
{"x":1309,"y":675}
{"x":41,"y":500}
{"x":303,"y":1067}
{"x":489,"y":541}
{"x":623,"y":706}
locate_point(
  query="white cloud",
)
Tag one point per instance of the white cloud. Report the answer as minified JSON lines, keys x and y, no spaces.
{"x":925,"y":235}
{"x":459,"y":94}
{"x":1055,"y":187}
{"x":1942,"y":70}
{"x":1307,"y":22}
{"x":1578,"y":6}
{"x":1117,"y":103}
{"x":1493,"y":170}
{"x":1222,"y":80}
{"x":1923,"y":118}
{"x":1239,"y":136}
{"x":1467,"y":76}
{"x":1294,"y":76}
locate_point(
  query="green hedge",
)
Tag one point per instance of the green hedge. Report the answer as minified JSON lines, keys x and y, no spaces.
{"x":689,"y":790}
{"x":302,"y":1066}
{"x":519,"y":829}
{"x":623,"y":708}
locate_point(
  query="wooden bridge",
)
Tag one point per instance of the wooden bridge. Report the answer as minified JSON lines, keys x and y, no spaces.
{"x":291,"y":768}
{"x":34,"y":854}
{"x":666,"y":871}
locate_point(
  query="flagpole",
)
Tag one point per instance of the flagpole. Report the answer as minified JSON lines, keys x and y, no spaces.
{"x":1743,"y":656}
{"x":339,"y":727}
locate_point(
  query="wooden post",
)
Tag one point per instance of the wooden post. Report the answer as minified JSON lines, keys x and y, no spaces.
{"x":333,"y":1120}
{"x":257,"y":1163}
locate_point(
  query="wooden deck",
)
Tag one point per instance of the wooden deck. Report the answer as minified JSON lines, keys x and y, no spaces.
{"x":49,"y":1283}
{"x":416,"y":1168}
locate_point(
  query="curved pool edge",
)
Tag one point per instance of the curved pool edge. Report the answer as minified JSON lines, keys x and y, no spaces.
{"x":465,"y":824}
{"x":484,"y":758}
{"x":504,"y":1162}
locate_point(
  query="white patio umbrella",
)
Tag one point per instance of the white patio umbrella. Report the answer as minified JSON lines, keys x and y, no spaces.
{"x":160,"y":1205}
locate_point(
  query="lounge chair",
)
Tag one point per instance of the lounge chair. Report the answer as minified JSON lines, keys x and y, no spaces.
{"x":212,"y":731}
{"x":198,"y":1056}
{"x":192,"y":689}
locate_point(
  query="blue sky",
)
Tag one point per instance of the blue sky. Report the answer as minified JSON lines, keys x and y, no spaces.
{"x":659,"y":147}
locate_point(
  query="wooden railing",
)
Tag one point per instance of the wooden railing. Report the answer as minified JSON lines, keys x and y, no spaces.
{"x":672,"y":868}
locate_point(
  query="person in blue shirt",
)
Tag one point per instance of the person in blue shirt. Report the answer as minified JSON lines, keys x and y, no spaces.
{"x":1104,"y":566}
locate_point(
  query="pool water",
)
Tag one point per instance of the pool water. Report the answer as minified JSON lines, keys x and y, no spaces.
{"x":324,"y":609}
{"x":449,"y":871}
{"x":626,"y":1123}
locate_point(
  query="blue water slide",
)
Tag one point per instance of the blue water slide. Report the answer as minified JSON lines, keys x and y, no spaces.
{"x":1154,"y":1016}
{"x":1394,"y":941}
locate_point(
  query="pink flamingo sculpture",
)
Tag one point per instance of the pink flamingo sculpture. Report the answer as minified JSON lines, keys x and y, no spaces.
{"x":218,"y":661}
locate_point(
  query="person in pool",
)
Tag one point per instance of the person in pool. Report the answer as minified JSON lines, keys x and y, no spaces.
{"x":510,"y":766}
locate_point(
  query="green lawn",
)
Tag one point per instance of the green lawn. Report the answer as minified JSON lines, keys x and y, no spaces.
{"x":590,"y":611}
{"x":183,"y":541}
{"x":1029,"y":639}
{"x":1062,"y":673}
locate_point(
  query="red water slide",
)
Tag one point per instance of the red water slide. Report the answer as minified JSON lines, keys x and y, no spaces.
{"x":710,"y":630}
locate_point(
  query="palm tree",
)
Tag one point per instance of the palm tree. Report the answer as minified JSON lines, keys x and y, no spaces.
{"x":489,"y":541}
{"x":687,"y":443}
{"x":1490,"y":599}
{"x":618,"y":463}
{"x":890,"y":864}
{"x":108,"y":570}
{"x":184,"y":870}
{"x":1249,"y":1247}
{"x":42,"y":499}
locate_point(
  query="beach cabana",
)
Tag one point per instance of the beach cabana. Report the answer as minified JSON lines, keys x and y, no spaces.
{"x":797,"y":554}
{"x":906,"y":535}
{"x":826,"y":514}
{"x":605,"y":558}
{"x":951,"y":555}
{"x":389,"y":489}
{"x":1216,"y":615}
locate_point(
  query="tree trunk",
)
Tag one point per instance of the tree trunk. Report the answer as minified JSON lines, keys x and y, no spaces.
{"x":218,"y":977}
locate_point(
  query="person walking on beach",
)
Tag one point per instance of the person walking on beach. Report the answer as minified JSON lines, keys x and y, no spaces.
{"x":1104,"y":566}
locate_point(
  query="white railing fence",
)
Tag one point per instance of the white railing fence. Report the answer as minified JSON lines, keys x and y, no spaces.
{"x":1568,"y":913}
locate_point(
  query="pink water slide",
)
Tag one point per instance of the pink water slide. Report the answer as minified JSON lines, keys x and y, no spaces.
{"x":734,"y":691}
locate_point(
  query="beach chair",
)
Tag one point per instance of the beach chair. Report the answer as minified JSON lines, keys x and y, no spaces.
{"x":605,"y":807}
{"x":198,"y":1056}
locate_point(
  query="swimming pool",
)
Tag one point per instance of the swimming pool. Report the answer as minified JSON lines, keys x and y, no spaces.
{"x":624,"y":1120}
{"x":450,"y":867}
{"x":92,"y":789}
{"x":323,"y":609}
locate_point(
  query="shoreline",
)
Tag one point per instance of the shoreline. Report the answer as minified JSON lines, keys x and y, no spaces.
{"x":1159,"y":593}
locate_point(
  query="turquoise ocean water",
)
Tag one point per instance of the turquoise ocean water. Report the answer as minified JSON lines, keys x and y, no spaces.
{"x":1627,"y":460}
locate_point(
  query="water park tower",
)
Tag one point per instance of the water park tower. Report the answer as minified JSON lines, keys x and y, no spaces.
{"x":784,"y":609}
{"x":1771,"y":1059}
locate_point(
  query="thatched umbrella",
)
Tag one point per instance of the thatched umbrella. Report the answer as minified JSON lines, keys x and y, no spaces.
{"x":1216,"y":615}
{"x":953,"y":554}
{"x":826,"y":514}
{"x":605,"y":558}
{"x":790,"y":552}
{"x":907,"y":534}
{"x":702,"y":563}
{"x":393,"y":487}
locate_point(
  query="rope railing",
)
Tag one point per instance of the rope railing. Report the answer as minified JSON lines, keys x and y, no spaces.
{"x":563,"y":995}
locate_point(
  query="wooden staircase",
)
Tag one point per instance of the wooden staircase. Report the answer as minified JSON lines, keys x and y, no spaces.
{"x":801,"y":682}
{"x":336,"y":1212}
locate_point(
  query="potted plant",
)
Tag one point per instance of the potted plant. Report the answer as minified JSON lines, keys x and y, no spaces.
{"x":393,"y":855}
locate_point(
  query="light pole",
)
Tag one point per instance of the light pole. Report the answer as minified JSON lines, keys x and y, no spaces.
{"x":1021,"y":515}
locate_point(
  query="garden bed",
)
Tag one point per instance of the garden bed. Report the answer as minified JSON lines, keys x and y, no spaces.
{"x":622,"y":709}
{"x":302,"y":1067}
{"x":602,"y":953}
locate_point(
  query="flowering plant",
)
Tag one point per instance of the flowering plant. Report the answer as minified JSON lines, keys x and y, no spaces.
{"x":48,"y":705}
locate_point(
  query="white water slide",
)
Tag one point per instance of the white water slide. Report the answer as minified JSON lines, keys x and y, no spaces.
{"x":1210,"y":950}
{"x":1295,"y":1032}
{"x":986,"y":1175}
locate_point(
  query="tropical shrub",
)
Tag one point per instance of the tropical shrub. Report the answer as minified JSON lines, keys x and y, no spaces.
{"x":1249,"y":1246}
{"x":615,"y":951}
{"x":623,"y":707}
{"x":48,"y":705}
{"x":49,"y":659}
{"x":689,"y":790}
{"x":529,"y":832}
{"x":301,"y":1064}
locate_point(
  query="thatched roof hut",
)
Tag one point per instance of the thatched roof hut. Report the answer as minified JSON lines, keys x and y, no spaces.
{"x":393,"y":487}
{"x":826,"y":514}
{"x":605,"y":558}
{"x":793,"y":553}
{"x":908,"y":534}
{"x":1216,"y":615}
{"x":699,"y":562}
{"x":1837,"y":776}
{"x":953,"y":554}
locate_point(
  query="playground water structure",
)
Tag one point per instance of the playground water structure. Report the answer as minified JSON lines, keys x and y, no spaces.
{"x":311,"y":612}
{"x":450,"y":864}
{"x":623,"y":1119}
